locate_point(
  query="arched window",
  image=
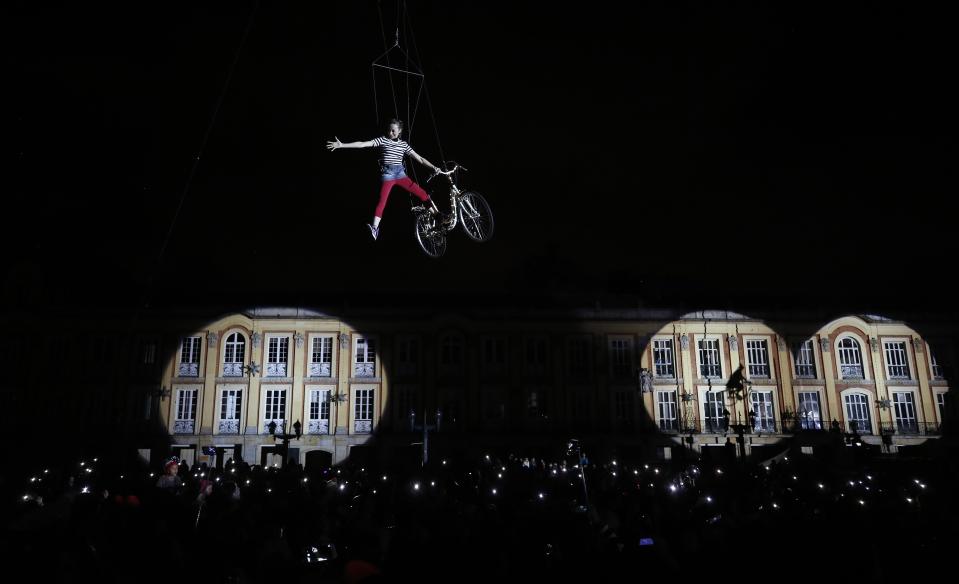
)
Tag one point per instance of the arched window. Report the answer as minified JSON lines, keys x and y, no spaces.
{"x":233,"y":355}
{"x":850,"y":359}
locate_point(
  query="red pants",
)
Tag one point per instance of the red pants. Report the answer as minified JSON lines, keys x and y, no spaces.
{"x":404,"y":183}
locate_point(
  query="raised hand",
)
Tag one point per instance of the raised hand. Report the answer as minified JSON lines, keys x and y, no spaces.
{"x":334,"y":144}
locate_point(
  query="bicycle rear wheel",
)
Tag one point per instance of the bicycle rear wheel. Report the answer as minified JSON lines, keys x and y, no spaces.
{"x":476,"y":216}
{"x":432,"y":240}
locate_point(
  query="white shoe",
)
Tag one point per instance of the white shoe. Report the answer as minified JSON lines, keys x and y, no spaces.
{"x":375,"y":231}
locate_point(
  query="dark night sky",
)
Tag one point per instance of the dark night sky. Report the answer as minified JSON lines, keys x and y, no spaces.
{"x":740,"y":151}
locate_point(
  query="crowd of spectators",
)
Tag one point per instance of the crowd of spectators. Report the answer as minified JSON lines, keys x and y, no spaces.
{"x":500,"y":516}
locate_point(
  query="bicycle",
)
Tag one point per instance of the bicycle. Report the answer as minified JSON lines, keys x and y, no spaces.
{"x":467,"y":208}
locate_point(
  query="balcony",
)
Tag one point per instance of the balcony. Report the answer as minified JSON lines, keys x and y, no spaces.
{"x":362,"y":426}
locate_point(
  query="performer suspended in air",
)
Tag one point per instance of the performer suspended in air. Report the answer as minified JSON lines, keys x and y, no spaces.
{"x":391,"y":152}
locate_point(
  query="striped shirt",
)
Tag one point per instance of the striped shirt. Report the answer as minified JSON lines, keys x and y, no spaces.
{"x":390,"y":151}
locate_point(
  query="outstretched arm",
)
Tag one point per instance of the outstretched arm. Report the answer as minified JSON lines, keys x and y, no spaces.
{"x":335,"y":143}
{"x":423,"y":161}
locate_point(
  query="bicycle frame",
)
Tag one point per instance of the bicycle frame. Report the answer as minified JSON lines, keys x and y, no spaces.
{"x":455,"y":194}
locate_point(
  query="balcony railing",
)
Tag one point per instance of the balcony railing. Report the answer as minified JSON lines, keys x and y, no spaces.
{"x":318,"y":427}
{"x":276,"y":369}
{"x":363,"y":369}
{"x":852,"y":372}
{"x":183,"y":426}
{"x":280,"y":425}
{"x":320,"y":370}
{"x":188,"y":370}
{"x":911,"y":428}
{"x":406,"y":369}
{"x":229,"y":427}
{"x":233,"y":370}
{"x":363,"y":426}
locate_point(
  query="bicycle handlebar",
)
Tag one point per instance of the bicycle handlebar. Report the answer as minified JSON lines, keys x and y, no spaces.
{"x":447,"y":173}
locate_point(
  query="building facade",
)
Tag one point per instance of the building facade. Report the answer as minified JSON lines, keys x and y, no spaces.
{"x":636,"y":376}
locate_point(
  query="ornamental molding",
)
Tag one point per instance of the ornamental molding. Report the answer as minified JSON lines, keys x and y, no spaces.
{"x":733,"y":343}
{"x":684,"y":341}
{"x":824,"y":344}
{"x":211,"y":339}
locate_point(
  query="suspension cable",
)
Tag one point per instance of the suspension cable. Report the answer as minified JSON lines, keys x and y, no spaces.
{"x":203,"y":143}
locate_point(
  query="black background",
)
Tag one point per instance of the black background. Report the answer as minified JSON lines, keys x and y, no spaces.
{"x":729,"y":154}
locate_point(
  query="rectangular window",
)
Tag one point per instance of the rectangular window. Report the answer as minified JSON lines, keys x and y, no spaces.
{"x":717,"y":418}
{"x":363,"y":411}
{"x":364,"y":358}
{"x":857,"y":413}
{"x":905,"y":407}
{"x":941,"y":405}
{"x":189,"y":357}
{"x":321,"y":357}
{"x":407,"y":356}
{"x":709,"y":365}
{"x":810,"y":415}
{"x":277,"y":356}
{"x":621,"y":358}
{"x":149,"y":352}
{"x":805,"y":360}
{"x":757,"y":358}
{"x":666,"y":404}
{"x":536,"y":355}
{"x":230,"y":402}
{"x":451,"y":351}
{"x":184,"y":423}
{"x":275,"y":408}
{"x":494,"y":355}
{"x":762,"y":411}
{"x":897,"y":364}
{"x":406,"y":404}
{"x":663,"y":358}
{"x":319,"y":407}
{"x":578,"y":362}
{"x":536,"y":403}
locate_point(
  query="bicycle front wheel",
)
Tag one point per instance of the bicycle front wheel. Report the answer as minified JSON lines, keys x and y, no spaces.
{"x":476,"y":216}
{"x":432,"y":240}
